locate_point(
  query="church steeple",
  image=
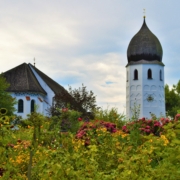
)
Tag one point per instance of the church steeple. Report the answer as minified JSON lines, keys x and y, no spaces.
{"x":144,"y":46}
{"x":145,"y":75}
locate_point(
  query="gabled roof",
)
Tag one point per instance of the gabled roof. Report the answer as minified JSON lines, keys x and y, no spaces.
{"x":55,"y":87}
{"x":22,"y":79}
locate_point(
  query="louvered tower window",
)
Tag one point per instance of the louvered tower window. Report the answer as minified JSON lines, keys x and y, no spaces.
{"x":149,"y":74}
{"x":135,"y":74}
{"x":160,"y":75}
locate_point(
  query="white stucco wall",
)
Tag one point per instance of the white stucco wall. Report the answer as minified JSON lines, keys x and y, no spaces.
{"x":27,"y":103}
{"x":137,"y":91}
{"x":42,"y":106}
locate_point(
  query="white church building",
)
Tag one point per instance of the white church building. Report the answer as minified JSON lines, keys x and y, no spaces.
{"x":145,"y":75}
{"x":31,"y":87}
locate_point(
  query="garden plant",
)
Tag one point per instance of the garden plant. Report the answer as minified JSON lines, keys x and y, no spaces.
{"x":106,"y":147}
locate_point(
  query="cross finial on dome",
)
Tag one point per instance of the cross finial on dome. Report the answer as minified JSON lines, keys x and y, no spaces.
{"x":34,"y":62}
{"x":144,"y":12}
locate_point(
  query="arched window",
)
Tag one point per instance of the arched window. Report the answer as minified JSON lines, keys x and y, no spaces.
{"x":135,"y":74}
{"x":149,"y":74}
{"x":32,"y":105}
{"x":160,"y":75}
{"x":127,"y":76}
{"x":20,"y":106}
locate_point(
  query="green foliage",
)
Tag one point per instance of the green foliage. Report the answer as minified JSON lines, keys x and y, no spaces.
{"x":85,"y":99}
{"x":40,"y":152}
{"x":67,"y":120}
{"x":135,"y":111}
{"x":172,"y":99}
{"x":6,"y":100}
{"x":110,"y":115}
{"x":79,"y":99}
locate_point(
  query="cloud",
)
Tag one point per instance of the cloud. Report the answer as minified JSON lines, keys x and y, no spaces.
{"x":77,"y":42}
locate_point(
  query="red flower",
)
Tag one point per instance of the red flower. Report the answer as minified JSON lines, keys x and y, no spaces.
{"x":124,"y":128}
{"x":79,"y":119}
{"x":157,"y":124}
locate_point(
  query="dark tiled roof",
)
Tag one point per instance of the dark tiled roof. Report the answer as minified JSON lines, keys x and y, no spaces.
{"x":55,"y":87}
{"x":22,"y":79}
{"x":144,"y":45}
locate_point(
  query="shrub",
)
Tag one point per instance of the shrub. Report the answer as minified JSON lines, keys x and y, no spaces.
{"x":90,"y":129}
{"x":146,"y":126}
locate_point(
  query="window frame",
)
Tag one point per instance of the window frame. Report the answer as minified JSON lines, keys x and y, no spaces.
{"x":160,"y":75}
{"x":20,"y":106}
{"x":32,"y":105}
{"x":135,"y":74}
{"x":149,"y":74}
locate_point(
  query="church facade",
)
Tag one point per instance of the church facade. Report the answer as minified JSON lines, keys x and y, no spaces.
{"x":145,"y":76}
{"x":31,"y":88}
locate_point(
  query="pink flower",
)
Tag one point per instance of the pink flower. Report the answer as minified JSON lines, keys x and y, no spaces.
{"x":177,"y":117}
{"x":157,"y":123}
{"x":143,"y":119}
{"x":124,"y":128}
{"x":79,"y":119}
{"x":114,"y":130}
{"x":64,"y":109}
{"x":147,"y":130}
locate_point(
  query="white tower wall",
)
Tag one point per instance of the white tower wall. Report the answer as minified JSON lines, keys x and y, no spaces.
{"x":144,"y":92}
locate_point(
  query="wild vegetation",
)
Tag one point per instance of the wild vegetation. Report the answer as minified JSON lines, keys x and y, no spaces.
{"x":97,"y":149}
{"x":172,"y":99}
{"x":105,"y":146}
{"x":6,"y":100}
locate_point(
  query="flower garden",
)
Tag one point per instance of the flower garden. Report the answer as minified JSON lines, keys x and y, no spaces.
{"x":108,"y":147}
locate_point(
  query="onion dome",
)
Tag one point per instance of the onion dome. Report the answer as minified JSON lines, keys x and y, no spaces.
{"x":144,"y":46}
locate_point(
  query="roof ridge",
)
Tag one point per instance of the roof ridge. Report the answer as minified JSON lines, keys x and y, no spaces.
{"x":22,"y":79}
{"x":27,"y":76}
{"x":54,"y":86}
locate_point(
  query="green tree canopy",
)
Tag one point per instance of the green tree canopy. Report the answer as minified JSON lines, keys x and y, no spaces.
{"x":79,"y":99}
{"x":6,"y":100}
{"x":172,"y":99}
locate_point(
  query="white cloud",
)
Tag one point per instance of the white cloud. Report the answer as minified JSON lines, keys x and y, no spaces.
{"x":77,"y":42}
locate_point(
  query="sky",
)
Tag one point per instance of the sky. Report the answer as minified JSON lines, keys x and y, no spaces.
{"x":85,"y":41}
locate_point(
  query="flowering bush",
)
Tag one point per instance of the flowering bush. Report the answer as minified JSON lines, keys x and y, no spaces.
{"x":147,"y":126}
{"x":111,"y":115}
{"x":39,"y":152}
{"x":89,"y":129}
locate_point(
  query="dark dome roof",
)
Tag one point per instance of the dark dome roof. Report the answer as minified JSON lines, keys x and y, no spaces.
{"x":144,"y":46}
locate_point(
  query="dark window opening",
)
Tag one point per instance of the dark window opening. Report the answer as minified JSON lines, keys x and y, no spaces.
{"x":149,"y":74}
{"x":135,"y":74}
{"x":20,"y":106}
{"x":32,"y":105}
{"x":160,"y":75}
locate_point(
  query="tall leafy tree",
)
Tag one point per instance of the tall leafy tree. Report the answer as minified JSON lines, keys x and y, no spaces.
{"x":6,"y":100}
{"x":172,"y":99}
{"x":86,"y":99}
{"x":79,"y":99}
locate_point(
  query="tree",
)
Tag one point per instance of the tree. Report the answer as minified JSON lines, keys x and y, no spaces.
{"x":172,"y":99}
{"x":78,"y":99}
{"x":6,"y":100}
{"x":86,"y":100}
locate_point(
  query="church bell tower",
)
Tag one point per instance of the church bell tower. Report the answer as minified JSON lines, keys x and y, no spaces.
{"x":145,"y":76}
